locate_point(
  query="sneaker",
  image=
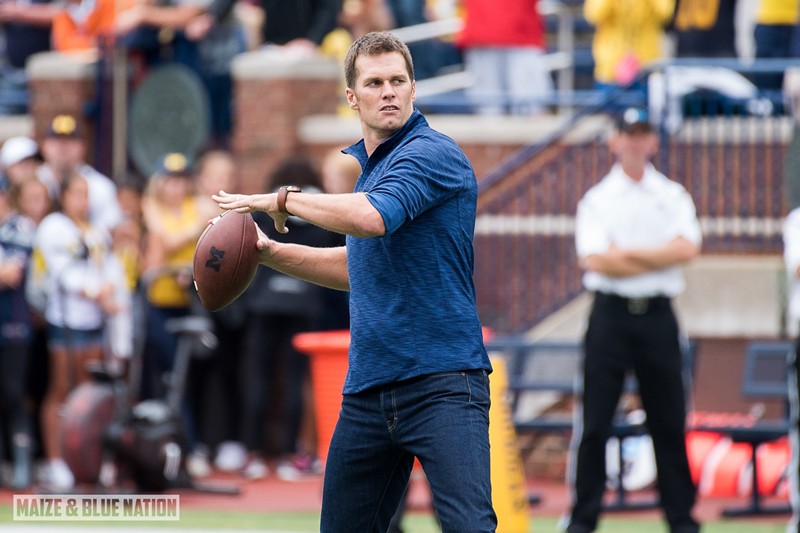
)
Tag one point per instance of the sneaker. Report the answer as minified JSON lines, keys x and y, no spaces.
{"x":231,"y":456}
{"x":301,"y":466}
{"x":197,"y":464}
{"x":58,"y":475}
{"x":255,"y":468}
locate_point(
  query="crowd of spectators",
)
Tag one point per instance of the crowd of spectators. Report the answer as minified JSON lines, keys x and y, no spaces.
{"x":501,"y":48}
{"x":81,"y":257}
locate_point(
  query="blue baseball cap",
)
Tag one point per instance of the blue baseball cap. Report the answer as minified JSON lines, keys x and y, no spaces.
{"x":64,"y":127}
{"x":634,"y":120}
{"x":173,"y":164}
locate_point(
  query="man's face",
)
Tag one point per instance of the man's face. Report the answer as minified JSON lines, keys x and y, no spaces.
{"x":75,"y":200}
{"x":63,"y":153}
{"x":383,"y":94}
{"x":638,"y":146}
{"x":23,"y":170}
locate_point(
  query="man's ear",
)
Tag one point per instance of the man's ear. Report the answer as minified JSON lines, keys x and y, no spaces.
{"x":413,"y":90}
{"x":655,"y":143}
{"x":613,"y":142}
{"x":352,"y":101}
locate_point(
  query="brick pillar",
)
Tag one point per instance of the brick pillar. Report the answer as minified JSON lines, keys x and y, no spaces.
{"x":62,"y":83}
{"x":273,"y":91}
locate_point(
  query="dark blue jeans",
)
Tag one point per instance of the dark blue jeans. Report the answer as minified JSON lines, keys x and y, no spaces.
{"x":442,"y":419}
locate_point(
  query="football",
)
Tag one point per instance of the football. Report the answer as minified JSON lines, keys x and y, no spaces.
{"x":225,"y":259}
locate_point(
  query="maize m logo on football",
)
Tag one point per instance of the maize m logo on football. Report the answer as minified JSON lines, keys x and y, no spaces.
{"x":215,"y":261}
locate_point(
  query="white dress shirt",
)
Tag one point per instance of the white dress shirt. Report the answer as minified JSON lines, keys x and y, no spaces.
{"x":631,"y":214}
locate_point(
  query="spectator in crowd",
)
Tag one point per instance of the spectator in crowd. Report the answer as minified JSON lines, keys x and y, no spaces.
{"x":19,"y":159}
{"x":503,"y":51}
{"x":173,"y":224}
{"x":16,"y":242}
{"x":628,"y":35}
{"x":776,"y":21}
{"x":78,"y":285}
{"x":279,"y":308}
{"x":794,"y":48}
{"x":633,"y":231}
{"x":216,"y":171}
{"x":64,"y":151}
{"x":339,"y":173}
{"x":360,"y":17}
{"x":82,"y":25}
{"x":299,"y":26}
{"x":218,"y":411}
{"x":791,"y":256}
{"x":705,"y":29}
{"x":26,"y":26}
{"x":206,"y":37}
{"x":129,"y":234}
{"x":429,"y":55}
{"x":33,"y":200}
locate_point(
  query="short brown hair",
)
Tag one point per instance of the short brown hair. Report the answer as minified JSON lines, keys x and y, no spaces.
{"x":373,"y":44}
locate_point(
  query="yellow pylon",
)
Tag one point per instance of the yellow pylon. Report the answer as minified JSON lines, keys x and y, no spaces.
{"x":509,"y":491}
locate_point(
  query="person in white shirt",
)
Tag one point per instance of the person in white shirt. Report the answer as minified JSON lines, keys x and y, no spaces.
{"x":634,"y":229}
{"x":81,"y":288}
{"x":791,"y":256}
{"x":64,"y":152}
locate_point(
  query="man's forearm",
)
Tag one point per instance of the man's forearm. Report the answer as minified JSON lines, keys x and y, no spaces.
{"x":621,"y":263}
{"x":676,"y":252}
{"x":322,"y":266}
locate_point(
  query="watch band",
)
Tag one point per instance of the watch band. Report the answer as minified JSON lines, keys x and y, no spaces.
{"x":283,"y":192}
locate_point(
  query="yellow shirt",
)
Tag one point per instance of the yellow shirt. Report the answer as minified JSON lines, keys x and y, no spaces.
{"x":166,"y":291}
{"x":778,"y":12}
{"x":626,"y":31}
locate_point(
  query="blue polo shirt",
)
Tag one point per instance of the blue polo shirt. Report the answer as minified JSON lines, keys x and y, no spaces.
{"x":412,"y":297}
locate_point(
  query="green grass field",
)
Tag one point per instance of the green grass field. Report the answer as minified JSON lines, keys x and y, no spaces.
{"x":414,"y":523}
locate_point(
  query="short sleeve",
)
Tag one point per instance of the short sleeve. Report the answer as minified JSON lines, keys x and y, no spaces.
{"x":415,"y":182}
{"x":591,"y":234}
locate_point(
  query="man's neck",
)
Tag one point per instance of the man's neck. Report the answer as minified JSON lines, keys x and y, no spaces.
{"x":634,"y":171}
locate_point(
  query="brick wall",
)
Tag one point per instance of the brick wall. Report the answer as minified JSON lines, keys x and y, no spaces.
{"x":60,"y":84}
{"x":273,"y":93}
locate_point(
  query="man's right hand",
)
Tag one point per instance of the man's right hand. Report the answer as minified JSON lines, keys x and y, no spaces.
{"x":265,"y":247}
{"x":247,"y":203}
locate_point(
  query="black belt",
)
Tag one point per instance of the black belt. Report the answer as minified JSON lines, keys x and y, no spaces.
{"x":633,"y":305}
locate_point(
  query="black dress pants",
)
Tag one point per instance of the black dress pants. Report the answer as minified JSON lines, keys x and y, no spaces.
{"x":641,"y":335}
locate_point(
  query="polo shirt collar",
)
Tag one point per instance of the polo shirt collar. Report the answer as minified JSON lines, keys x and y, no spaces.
{"x":359,"y":151}
{"x":621,"y":179}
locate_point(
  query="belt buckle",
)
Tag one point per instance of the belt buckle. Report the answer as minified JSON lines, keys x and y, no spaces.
{"x":638,"y":306}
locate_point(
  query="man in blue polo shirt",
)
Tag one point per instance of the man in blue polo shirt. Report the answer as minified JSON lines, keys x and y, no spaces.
{"x":417,"y":384}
